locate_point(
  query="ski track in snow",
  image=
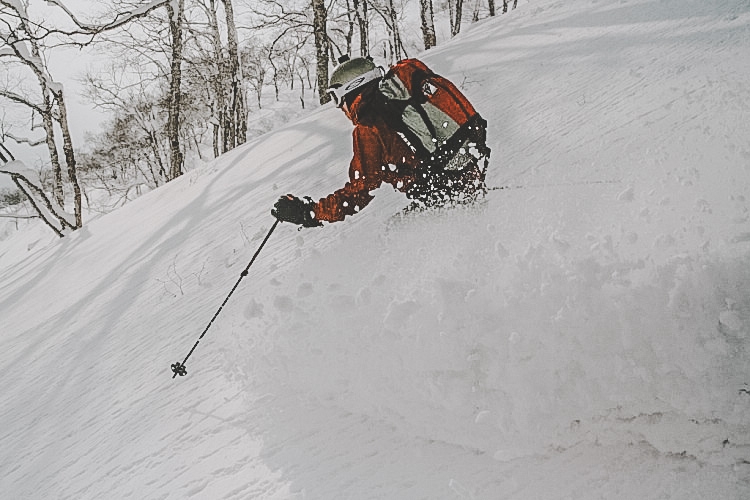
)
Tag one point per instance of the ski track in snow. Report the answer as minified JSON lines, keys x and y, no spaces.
{"x":581,"y":334}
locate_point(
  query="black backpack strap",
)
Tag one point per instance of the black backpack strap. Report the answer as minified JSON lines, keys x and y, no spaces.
{"x":423,"y":114}
{"x":393,"y":115}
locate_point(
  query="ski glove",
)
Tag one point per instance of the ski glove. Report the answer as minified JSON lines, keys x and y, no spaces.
{"x":289,"y":208}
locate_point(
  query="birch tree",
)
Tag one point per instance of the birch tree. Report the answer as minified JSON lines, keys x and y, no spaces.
{"x":428,"y":24}
{"x":28,"y":183}
{"x":456,"y":8}
{"x":21,"y":43}
{"x":223,"y":68}
{"x":213,"y":61}
{"x":238,"y":104}
{"x":255,"y":63}
{"x":387,"y":11}
{"x":395,"y":31}
{"x":128,"y":13}
{"x":175,"y":14}
{"x":360,"y":11}
{"x":133,"y":138}
{"x":320,"y":19}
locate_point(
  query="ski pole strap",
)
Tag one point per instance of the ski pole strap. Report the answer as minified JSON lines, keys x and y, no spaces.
{"x":179,"y":368}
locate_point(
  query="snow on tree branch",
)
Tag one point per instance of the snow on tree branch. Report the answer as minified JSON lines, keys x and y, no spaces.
{"x":29,"y":183}
{"x":17,"y":98}
{"x":121,"y":18}
{"x":25,"y":140}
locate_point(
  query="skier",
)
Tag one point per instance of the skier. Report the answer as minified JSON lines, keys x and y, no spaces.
{"x":398,"y":121}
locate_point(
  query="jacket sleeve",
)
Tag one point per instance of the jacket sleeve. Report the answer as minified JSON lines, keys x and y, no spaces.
{"x":364,"y":176}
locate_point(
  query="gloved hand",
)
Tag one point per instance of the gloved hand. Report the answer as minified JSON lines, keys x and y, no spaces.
{"x":289,"y":208}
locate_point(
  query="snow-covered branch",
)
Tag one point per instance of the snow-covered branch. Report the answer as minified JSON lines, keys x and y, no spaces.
{"x":120,"y":19}
{"x":26,"y":51}
{"x":29,"y":183}
{"x":26,"y":140}
{"x":19,"y":99}
{"x":19,"y":12}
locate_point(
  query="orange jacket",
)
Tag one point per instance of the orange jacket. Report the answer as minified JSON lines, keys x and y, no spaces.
{"x":380,"y":155}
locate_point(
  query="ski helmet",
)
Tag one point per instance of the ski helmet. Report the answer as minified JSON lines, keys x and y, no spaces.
{"x":351,"y":75}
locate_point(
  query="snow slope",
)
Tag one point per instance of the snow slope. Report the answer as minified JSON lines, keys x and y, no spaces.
{"x":581,"y":334}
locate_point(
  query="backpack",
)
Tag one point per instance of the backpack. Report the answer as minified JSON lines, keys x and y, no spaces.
{"x":433,"y":117}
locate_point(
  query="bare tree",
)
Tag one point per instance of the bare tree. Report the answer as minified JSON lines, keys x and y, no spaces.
{"x":121,"y":157}
{"x":22,"y":44}
{"x":136,"y":99}
{"x":175,"y":13}
{"x":30,"y":185}
{"x":389,"y":14}
{"x":395,"y":31}
{"x":209,"y":67}
{"x":428,"y":24}
{"x":254,"y":62}
{"x":351,"y":16}
{"x":220,"y":69}
{"x":175,"y":21}
{"x":321,"y":48}
{"x":238,"y":102}
{"x":290,"y":22}
{"x":456,"y":12}
{"x":360,"y":10}
{"x":134,"y":139}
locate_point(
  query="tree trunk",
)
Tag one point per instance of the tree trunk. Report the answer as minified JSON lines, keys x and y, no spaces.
{"x":48,"y":124}
{"x":41,"y":203}
{"x":395,"y":34}
{"x":174,"y":106}
{"x":54,"y":157}
{"x":351,"y":17}
{"x":216,"y":129}
{"x":492,"y":7}
{"x":26,"y":187}
{"x":321,"y":48}
{"x":360,"y":10}
{"x":428,"y":25}
{"x":52,"y":94}
{"x":216,"y":86}
{"x":456,"y":12}
{"x":238,"y":100}
{"x":70,"y":158}
{"x":58,"y":229}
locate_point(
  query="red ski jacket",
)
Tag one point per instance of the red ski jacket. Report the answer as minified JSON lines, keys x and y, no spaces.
{"x":380,"y":155}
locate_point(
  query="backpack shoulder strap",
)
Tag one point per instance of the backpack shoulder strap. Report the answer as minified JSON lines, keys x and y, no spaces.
{"x":405,"y":79}
{"x":403,"y":86}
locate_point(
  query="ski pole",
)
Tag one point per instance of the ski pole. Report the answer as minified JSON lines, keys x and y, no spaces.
{"x":179,"y":368}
